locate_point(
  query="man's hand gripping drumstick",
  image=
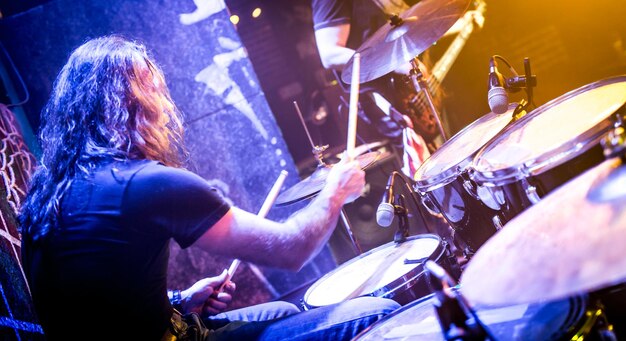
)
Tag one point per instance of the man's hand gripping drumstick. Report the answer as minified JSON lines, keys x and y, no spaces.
{"x":265,"y":208}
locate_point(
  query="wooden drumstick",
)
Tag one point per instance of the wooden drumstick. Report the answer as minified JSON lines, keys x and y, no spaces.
{"x":265,"y":208}
{"x":354,"y":104}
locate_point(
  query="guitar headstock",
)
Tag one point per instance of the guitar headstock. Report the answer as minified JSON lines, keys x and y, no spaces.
{"x":478,"y":13}
{"x":480,"y":6}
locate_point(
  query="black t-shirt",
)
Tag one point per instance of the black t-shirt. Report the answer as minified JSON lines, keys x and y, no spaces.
{"x":103,"y":272}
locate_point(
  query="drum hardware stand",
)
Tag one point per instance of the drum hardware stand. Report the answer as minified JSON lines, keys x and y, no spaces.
{"x":598,"y":323}
{"x":420,"y":85}
{"x":614,"y":143}
{"x":318,"y":152}
{"x":516,"y":83}
{"x":457,"y":319}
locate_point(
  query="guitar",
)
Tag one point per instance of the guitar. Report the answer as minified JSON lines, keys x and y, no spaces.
{"x":415,"y":104}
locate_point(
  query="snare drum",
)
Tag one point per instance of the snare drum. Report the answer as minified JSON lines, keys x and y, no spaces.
{"x":445,"y":187}
{"x":548,"y":146}
{"x":393,"y":270}
{"x":538,"y":321}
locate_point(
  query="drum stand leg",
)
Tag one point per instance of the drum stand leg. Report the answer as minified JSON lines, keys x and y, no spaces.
{"x":420,"y":85}
{"x":346,"y":223}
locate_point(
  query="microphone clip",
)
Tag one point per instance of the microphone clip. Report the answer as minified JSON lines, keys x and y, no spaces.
{"x":402,"y":213}
{"x":514,"y":83}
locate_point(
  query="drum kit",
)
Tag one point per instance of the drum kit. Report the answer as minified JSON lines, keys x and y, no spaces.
{"x":537,"y":203}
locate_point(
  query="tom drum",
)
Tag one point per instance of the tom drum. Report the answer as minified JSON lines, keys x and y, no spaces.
{"x":548,"y":146}
{"x":393,"y":270}
{"x":446,"y":188}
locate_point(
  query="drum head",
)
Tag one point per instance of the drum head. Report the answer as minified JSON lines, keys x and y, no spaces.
{"x":378,"y":268}
{"x":538,"y":321}
{"x":551,"y":134}
{"x":456,"y":153}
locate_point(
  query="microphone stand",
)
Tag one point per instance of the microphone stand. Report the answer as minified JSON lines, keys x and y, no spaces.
{"x":403,"y":217}
{"x":407,"y":184}
{"x":528,"y":82}
{"x":457,"y":319}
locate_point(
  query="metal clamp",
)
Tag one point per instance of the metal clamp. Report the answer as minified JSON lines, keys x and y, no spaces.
{"x":430,"y":206}
{"x":531,"y":192}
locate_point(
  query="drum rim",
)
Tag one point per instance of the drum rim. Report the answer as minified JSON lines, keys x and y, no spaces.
{"x":395,"y":313}
{"x":551,"y":158}
{"x":428,"y":183}
{"x":578,"y":304}
{"x":411,"y":274}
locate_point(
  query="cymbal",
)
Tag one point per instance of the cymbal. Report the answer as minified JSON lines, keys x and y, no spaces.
{"x":573,"y":241}
{"x":392,"y":46}
{"x":310,"y":186}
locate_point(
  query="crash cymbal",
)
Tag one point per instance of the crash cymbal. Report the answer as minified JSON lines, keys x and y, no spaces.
{"x":573,"y":241}
{"x":310,"y":186}
{"x":392,"y":46}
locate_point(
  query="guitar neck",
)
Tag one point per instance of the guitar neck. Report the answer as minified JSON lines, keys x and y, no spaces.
{"x":443,"y":65}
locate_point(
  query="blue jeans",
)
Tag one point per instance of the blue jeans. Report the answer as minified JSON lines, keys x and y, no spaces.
{"x":284,"y":321}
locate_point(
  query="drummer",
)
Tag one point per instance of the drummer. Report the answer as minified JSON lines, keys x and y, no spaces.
{"x":341,"y":26}
{"x":112,"y":192}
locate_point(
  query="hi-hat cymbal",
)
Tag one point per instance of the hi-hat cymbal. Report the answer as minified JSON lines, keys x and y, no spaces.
{"x":573,"y":241}
{"x":392,"y":46}
{"x":310,"y":186}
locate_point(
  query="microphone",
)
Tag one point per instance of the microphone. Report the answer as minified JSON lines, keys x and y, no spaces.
{"x":386,"y":211}
{"x":497,"y":96}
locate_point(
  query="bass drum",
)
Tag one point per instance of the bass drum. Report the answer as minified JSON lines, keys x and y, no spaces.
{"x":393,"y":270}
{"x":557,"y":320}
{"x":549,"y":146}
{"x":445,"y":187}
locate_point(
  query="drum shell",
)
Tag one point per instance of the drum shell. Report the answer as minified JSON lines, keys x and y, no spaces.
{"x":478,"y":221}
{"x":443,"y":177}
{"x":520,"y":193}
{"x":406,"y":288}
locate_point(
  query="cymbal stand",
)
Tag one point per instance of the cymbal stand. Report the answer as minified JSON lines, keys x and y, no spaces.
{"x":318,"y":152}
{"x":420,"y":85}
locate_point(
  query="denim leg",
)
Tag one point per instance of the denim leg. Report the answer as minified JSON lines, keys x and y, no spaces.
{"x":341,"y":321}
{"x":259,"y":312}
